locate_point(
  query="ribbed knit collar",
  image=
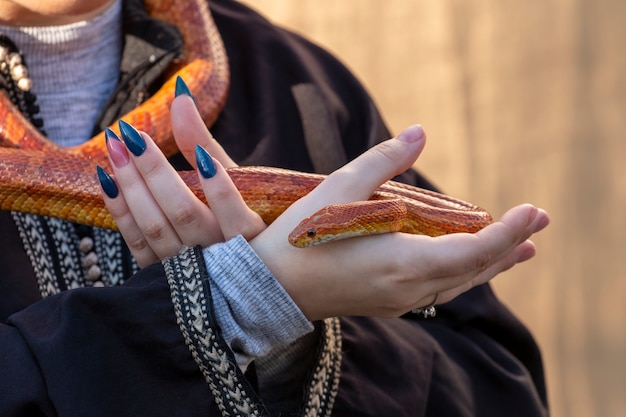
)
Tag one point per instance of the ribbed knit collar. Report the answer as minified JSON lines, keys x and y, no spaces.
{"x":74,"y":69}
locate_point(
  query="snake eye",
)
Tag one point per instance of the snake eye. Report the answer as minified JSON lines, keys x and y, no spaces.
{"x":311,"y":233}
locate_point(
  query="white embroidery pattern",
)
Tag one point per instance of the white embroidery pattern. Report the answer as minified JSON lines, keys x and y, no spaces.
{"x":191,"y":296}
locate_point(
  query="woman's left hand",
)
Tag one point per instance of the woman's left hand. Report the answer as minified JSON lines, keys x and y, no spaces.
{"x":155,"y":211}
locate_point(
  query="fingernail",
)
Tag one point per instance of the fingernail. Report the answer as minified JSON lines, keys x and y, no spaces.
{"x":117,"y":151}
{"x":533,"y":215}
{"x":543,"y":223}
{"x":411,"y":134}
{"x":133,"y":140}
{"x":205,"y":163}
{"x":182,"y":89}
{"x":107,"y":183}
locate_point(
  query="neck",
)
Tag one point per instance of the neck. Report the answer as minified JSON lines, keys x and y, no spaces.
{"x":73,"y":68}
{"x":42,"y":13}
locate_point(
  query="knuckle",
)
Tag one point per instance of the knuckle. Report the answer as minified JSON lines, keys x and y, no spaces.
{"x":221,"y":193}
{"x":137,"y":245}
{"x":385,"y":151}
{"x":184,"y":215}
{"x":482,"y":259}
{"x":150,"y":167}
{"x":400,"y":295}
{"x":153,"y":230}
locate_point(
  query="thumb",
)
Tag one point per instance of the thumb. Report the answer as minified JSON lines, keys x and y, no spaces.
{"x":359,"y":179}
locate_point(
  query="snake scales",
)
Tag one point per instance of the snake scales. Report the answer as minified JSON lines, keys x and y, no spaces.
{"x":39,"y":177}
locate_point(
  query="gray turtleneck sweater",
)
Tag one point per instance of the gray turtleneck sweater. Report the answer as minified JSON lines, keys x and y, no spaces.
{"x":74,"y":69}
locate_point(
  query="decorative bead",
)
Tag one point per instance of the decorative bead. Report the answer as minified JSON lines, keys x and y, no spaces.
{"x":86,"y":244}
{"x":90,"y":260}
{"x":98,"y":284}
{"x":15,"y":82}
{"x":24,"y":84}
{"x":14,"y":59}
{"x":94,"y":273}
{"x":19,"y":71}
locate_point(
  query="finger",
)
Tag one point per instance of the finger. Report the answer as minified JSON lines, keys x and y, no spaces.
{"x":522,"y":253}
{"x":461,"y":253}
{"x":227,"y":205}
{"x":164,"y":208}
{"x":190,"y":218}
{"x":376,"y":165}
{"x":189,"y":129}
{"x":469,"y":263}
{"x":143,"y":207}
{"x":116,"y":204}
{"x":358,"y":179}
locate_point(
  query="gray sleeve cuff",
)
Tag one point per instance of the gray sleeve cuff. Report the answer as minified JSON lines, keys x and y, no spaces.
{"x":253,"y":311}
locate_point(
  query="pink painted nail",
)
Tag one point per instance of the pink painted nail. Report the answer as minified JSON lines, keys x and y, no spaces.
{"x":117,"y":151}
{"x":411,"y":134}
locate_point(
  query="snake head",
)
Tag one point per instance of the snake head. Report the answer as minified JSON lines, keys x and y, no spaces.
{"x":342,"y":221}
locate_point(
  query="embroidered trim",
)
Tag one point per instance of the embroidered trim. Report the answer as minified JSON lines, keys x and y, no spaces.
{"x":36,"y":247}
{"x":111,"y":251}
{"x":191,"y":296}
{"x":187,"y":277}
{"x":53,"y":248}
{"x":324,"y":383}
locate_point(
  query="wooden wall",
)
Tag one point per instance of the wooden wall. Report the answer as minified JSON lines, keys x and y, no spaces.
{"x":523,"y":101}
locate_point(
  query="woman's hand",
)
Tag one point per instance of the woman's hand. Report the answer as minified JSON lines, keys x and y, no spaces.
{"x":384,"y":275}
{"x":388,"y":275}
{"x":155,"y":211}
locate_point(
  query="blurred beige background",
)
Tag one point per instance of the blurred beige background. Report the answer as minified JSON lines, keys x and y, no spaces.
{"x":523,"y":101}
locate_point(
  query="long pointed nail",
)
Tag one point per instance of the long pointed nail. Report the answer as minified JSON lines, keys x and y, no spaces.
{"x":182,"y":89}
{"x":109,"y":134}
{"x":117,"y":151}
{"x":107,"y":183}
{"x":133,"y":140}
{"x":205,"y":162}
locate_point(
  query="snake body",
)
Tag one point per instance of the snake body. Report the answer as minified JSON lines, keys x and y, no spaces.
{"x":65,"y":186}
{"x":39,"y":177}
{"x":203,"y":65}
